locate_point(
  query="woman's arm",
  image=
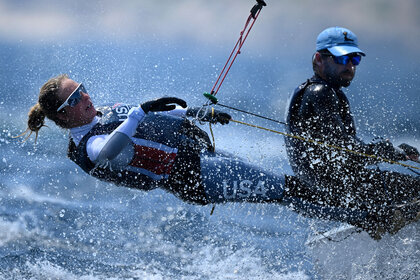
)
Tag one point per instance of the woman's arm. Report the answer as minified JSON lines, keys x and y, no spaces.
{"x":102,"y":149}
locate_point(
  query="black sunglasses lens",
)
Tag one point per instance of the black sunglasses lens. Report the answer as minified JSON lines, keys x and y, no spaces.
{"x":356,"y":59}
{"x":344,"y":59}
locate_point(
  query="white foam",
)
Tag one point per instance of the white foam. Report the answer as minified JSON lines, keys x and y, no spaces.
{"x":10,"y":231}
{"x":48,"y":270}
{"x":222,"y":263}
{"x":14,"y":230}
{"x":27,"y":193}
{"x":361,"y":257}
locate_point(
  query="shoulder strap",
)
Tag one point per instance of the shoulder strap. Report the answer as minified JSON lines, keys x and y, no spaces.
{"x":72,"y":150}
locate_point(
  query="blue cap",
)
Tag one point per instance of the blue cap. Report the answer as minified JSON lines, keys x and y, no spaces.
{"x":338,"y":40}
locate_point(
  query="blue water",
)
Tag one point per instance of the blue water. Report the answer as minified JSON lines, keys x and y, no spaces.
{"x":56,"y":222}
{"x":56,"y":219}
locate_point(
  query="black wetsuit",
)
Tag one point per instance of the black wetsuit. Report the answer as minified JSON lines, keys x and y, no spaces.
{"x":319,"y":112}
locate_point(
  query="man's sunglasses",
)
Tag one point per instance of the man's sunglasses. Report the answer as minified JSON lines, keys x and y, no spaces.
{"x":344,"y":59}
{"x":74,"y":98}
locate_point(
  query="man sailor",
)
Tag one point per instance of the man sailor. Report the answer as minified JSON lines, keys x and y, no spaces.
{"x":319,"y":110}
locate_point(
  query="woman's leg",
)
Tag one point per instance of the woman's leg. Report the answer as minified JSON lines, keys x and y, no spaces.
{"x":229,"y":179}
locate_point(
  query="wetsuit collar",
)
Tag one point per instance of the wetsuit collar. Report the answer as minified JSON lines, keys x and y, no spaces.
{"x":317,"y":79}
{"x":77,"y":133}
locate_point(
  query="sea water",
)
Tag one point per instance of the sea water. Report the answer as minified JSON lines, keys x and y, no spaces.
{"x":56,"y":222}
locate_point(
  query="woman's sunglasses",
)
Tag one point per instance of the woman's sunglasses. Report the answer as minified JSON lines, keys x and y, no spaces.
{"x":74,"y":98}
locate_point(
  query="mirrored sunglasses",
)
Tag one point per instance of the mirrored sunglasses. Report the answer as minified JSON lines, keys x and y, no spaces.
{"x":74,"y":98}
{"x":344,"y":59}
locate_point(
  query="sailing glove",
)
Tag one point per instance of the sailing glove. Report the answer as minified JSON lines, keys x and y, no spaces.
{"x":162,"y":104}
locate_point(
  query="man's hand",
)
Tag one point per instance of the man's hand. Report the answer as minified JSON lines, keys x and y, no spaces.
{"x":411,"y":152}
{"x":162,"y":104}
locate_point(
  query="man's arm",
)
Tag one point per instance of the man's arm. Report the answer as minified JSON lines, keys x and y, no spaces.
{"x":330,"y":120}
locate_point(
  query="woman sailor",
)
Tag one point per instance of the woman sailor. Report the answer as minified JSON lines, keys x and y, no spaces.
{"x":149,"y":146}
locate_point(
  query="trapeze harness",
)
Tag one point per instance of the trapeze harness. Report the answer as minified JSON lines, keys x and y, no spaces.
{"x":164,"y":152}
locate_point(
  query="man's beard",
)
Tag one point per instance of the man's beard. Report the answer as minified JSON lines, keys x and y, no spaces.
{"x":336,"y":80}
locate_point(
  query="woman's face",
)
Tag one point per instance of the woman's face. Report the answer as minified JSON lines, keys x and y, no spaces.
{"x":84,"y":111}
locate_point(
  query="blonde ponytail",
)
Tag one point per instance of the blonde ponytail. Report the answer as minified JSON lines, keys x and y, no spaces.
{"x":36,"y":120}
{"x":47,"y":105}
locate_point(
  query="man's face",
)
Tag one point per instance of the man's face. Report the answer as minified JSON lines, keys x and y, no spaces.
{"x":338,"y":75}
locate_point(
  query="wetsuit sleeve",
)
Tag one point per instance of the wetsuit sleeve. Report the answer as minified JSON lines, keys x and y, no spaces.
{"x":104,"y":148}
{"x":330,"y":118}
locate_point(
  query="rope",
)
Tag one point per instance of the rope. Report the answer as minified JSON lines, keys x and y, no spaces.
{"x":323,"y":233}
{"x":254,"y":13}
{"x":214,"y":149}
{"x":415,"y":172}
{"x":214,"y":100}
{"x":250,"y":113}
{"x":327,"y":145}
{"x":238,"y":46}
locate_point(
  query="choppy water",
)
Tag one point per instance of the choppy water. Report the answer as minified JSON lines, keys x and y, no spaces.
{"x":58,"y":223}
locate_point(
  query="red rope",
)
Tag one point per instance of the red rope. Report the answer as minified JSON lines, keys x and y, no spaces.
{"x":239,"y":43}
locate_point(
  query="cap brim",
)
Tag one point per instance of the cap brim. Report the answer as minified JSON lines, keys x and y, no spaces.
{"x":343,"y":50}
